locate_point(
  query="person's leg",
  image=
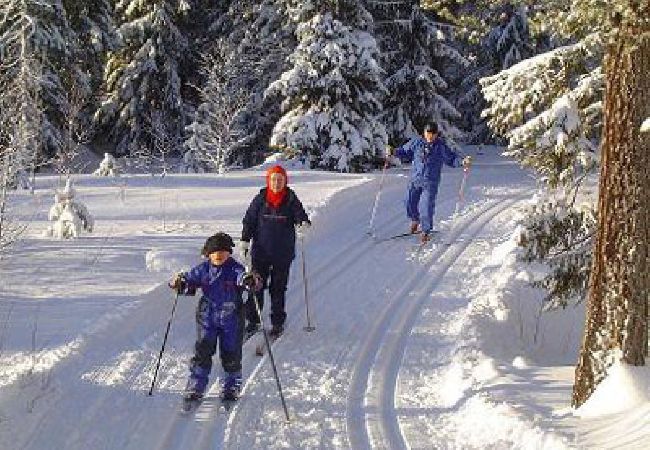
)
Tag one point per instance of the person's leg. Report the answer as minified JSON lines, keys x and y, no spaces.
{"x":412,"y":202}
{"x":204,"y":349}
{"x":231,"y":339}
{"x":263,"y":269}
{"x":277,"y":290}
{"x":429,"y":199}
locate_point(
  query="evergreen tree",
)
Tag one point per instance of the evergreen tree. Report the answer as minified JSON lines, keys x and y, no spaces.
{"x":415,"y":52}
{"x":92,"y":21}
{"x":332,"y":93}
{"x":36,"y":36}
{"x":549,"y":109}
{"x":234,"y":120}
{"x":143,"y":82}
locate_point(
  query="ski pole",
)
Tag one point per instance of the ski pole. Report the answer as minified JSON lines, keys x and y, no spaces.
{"x":268,"y":347}
{"x":374,"y":206}
{"x":309,"y":327}
{"x":461,"y":191}
{"x":162,"y":349}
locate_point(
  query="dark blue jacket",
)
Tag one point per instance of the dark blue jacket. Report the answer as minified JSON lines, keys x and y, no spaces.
{"x":273,"y":230}
{"x":427,"y":160}
{"x":221,"y":285}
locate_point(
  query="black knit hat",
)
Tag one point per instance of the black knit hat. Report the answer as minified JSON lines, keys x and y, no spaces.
{"x":220,"y":241}
{"x":430,"y":126}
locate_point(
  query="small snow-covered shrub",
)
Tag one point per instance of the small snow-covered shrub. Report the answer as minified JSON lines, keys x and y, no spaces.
{"x":68,"y":216}
{"x":108,"y":167}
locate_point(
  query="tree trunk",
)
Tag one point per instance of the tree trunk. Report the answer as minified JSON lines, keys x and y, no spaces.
{"x":617,"y":305}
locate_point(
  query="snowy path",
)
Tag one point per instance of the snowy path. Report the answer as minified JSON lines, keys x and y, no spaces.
{"x":371,"y":375}
{"x":371,"y":418}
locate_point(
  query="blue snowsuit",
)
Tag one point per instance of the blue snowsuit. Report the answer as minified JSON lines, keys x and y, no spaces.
{"x":427,"y":159}
{"x":219,"y":318}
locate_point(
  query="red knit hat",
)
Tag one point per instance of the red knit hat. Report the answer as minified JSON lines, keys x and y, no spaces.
{"x":276,"y":198}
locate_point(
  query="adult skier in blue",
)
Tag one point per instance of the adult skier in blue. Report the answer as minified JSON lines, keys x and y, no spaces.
{"x":219,"y":316}
{"x":427,"y":153}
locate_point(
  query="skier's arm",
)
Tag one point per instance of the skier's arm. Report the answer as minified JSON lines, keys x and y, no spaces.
{"x":250,"y":220}
{"x":450,"y":157}
{"x":405,"y":151}
{"x":186,"y":283}
{"x":299,"y":214}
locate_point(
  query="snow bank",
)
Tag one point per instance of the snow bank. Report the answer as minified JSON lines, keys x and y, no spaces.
{"x":281,"y":159}
{"x":174,"y":260}
{"x":625,"y":388}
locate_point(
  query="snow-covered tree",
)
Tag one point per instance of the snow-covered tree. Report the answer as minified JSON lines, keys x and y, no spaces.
{"x":36,"y":38}
{"x":212,"y":135}
{"x":332,"y":94}
{"x":509,"y":41}
{"x":416,"y":51}
{"x":191,"y":163}
{"x":92,"y":21}
{"x":108,"y":167}
{"x":142,"y":76}
{"x":549,"y":109}
{"x":234,"y":120}
{"x":68,"y":216}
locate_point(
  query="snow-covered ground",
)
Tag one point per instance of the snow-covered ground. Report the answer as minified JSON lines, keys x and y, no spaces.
{"x":443,"y":347}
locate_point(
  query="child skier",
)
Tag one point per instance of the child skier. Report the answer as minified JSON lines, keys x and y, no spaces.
{"x":219,"y":316}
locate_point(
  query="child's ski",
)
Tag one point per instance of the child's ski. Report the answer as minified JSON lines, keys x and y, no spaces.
{"x":190,"y":405}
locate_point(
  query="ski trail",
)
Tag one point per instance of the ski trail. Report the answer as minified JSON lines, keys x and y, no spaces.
{"x":370,"y":415}
{"x":383,"y":378}
{"x":327,"y":272}
{"x":209,"y":428}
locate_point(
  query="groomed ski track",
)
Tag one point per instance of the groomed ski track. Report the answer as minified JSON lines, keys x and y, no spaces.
{"x":372,"y":421}
{"x":340,"y":381}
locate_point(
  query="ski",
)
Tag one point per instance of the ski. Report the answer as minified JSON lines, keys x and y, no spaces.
{"x":190,"y":405}
{"x":396,"y":236}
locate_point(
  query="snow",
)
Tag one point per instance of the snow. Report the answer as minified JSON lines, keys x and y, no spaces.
{"x":440,"y":347}
{"x":624,"y":389}
{"x":645,"y":126}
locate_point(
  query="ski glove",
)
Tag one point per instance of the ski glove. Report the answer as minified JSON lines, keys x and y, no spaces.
{"x":177,"y":282}
{"x":303,"y":227}
{"x":252,"y":281}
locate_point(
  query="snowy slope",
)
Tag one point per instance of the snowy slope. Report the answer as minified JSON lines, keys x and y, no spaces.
{"x":438,"y":347}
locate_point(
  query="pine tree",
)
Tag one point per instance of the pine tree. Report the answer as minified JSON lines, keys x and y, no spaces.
{"x":92,"y":21}
{"x":549,"y":109}
{"x":619,"y":287}
{"x":414,"y":50}
{"x":332,"y":93}
{"x":234,"y":121}
{"x":142,"y":80}
{"x":37,"y":34}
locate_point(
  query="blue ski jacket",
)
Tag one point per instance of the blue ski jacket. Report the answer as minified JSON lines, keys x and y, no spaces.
{"x":427,"y":159}
{"x":273,"y":230}
{"x":221,"y":285}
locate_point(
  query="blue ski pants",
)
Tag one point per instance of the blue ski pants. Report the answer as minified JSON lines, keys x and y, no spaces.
{"x":223,"y":326}
{"x":427,"y":194}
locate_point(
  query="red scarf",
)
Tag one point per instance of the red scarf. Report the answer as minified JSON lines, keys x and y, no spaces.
{"x":275,"y":198}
